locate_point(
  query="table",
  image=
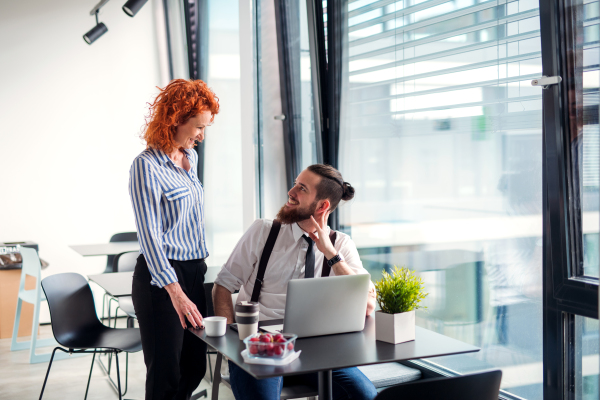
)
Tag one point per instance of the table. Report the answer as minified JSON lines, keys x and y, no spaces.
{"x":118,"y":284}
{"x":105,"y":249}
{"x":325,"y":353}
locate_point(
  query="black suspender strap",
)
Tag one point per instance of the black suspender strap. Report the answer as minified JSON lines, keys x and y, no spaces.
{"x":264,"y":259}
{"x":326,"y":267}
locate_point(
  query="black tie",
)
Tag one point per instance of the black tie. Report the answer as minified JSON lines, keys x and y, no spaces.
{"x":309,"y":266}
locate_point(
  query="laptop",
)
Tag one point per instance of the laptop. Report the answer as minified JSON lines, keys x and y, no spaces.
{"x":316,"y":307}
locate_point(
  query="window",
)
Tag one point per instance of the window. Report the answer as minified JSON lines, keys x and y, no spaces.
{"x":178,"y":58}
{"x":582,"y":83}
{"x":586,"y":358}
{"x":441,"y":135}
{"x":223,"y":149}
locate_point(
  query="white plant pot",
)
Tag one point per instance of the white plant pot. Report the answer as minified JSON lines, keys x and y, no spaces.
{"x":395,"y":328}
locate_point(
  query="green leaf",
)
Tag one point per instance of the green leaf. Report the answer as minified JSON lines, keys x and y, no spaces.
{"x":400,"y":291}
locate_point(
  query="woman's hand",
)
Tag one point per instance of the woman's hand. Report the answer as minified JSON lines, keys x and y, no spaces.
{"x":184,"y":306}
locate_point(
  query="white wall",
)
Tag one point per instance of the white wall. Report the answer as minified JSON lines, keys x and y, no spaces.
{"x":70,"y":115}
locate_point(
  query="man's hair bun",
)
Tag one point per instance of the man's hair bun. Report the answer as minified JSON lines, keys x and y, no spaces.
{"x":348,"y":192}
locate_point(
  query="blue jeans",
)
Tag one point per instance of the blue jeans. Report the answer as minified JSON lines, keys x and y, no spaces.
{"x":348,"y":383}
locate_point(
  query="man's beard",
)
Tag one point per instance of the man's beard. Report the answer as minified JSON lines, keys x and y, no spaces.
{"x":289,"y":216}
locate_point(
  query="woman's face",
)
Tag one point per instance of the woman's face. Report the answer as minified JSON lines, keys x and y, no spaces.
{"x":187,"y":134}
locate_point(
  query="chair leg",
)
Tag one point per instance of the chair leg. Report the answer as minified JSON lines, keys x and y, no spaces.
{"x":109,"y":303}
{"x":126,"y":372}
{"x":118,"y":375}
{"x":13,"y":344}
{"x":48,"y":372}
{"x":116,"y":315}
{"x":103,"y":304}
{"x":34,"y":332}
{"x":90,"y":377}
{"x":33,"y":343}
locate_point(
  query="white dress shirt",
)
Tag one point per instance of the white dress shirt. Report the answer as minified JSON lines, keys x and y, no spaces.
{"x":286,"y":263}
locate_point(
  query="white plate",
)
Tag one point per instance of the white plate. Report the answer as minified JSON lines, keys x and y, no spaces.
{"x":271,"y":361}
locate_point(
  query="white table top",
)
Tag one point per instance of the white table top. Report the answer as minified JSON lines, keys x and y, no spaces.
{"x":105,"y":249}
{"x":119,"y":283}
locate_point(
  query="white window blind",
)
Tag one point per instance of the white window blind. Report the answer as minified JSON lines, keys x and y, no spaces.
{"x":440,"y":59}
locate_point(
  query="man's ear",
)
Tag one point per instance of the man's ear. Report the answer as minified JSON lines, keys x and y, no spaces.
{"x":323,"y":207}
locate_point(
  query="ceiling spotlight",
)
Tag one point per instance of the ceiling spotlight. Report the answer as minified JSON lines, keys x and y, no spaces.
{"x":94,"y":33}
{"x":133,"y":6}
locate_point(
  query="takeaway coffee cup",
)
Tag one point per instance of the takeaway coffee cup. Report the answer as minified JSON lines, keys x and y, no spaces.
{"x":246,"y":316}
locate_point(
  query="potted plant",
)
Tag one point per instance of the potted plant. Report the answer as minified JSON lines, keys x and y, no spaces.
{"x":398,"y":295}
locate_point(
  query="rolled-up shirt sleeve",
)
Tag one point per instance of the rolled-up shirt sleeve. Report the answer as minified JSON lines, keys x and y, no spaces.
{"x":244,"y":258}
{"x":350,"y":254}
{"x":145,"y":193}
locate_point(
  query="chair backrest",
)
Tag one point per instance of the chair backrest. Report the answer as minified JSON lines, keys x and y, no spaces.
{"x":31,"y":264}
{"x":119,"y":237}
{"x":71,"y":304}
{"x":125,"y":261}
{"x":480,"y":386}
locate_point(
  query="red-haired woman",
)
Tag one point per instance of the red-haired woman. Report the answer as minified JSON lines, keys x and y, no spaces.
{"x":168,"y":202}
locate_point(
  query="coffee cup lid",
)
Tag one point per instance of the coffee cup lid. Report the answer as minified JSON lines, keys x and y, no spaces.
{"x":246,"y":307}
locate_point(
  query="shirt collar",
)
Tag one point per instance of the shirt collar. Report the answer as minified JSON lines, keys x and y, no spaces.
{"x":165,"y":159}
{"x":298,"y":232}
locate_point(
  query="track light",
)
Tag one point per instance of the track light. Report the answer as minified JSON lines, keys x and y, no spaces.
{"x":97,"y":31}
{"x":133,"y":6}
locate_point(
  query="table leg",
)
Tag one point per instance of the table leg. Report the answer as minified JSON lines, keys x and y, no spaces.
{"x":325,"y":385}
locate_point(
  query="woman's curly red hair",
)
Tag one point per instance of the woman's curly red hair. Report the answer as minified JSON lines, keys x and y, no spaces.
{"x":179,"y":101}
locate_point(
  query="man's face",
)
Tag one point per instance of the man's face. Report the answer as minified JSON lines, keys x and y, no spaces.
{"x":301,"y":202}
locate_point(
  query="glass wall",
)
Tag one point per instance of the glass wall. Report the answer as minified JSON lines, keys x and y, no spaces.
{"x":222,"y":146}
{"x":308,"y":149}
{"x":587,"y":361}
{"x":177,"y":39}
{"x":441,"y":136}
{"x":582,"y":83}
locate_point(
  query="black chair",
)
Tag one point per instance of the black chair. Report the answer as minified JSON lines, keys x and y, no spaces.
{"x":481,"y":386}
{"x":77,"y":328}
{"x":124,"y":262}
{"x":111,"y":265}
{"x":119,"y":237}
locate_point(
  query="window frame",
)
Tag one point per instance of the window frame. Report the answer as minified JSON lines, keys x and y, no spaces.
{"x":566,"y":292}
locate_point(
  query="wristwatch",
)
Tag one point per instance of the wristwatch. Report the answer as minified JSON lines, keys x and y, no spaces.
{"x":334,"y":260}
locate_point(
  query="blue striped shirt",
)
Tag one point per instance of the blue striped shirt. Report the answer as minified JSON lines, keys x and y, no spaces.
{"x":168,"y":203}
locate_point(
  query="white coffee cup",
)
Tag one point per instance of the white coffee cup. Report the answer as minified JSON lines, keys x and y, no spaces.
{"x":215,"y":326}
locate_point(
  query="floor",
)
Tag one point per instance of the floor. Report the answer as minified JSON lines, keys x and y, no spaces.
{"x":68,"y":377}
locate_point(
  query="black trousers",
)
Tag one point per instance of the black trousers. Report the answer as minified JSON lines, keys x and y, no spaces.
{"x":175,"y":359}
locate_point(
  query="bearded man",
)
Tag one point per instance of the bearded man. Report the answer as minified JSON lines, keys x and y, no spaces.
{"x":303,"y":249}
